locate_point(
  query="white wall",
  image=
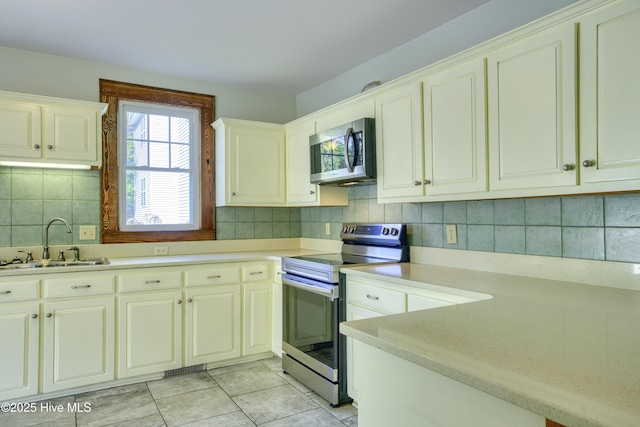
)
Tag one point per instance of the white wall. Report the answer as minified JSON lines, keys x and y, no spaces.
{"x":29,"y":72}
{"x":481,"y":24}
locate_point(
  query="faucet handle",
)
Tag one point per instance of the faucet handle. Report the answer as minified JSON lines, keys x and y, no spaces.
{"x":76,"y":252}
{"x":61,"y":256}
{"x":29,"y":256}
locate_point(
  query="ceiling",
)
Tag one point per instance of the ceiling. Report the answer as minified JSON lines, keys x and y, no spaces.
{"x":285,"y":46}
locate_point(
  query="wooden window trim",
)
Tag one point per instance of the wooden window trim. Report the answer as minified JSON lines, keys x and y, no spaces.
{"x":111,"y":92}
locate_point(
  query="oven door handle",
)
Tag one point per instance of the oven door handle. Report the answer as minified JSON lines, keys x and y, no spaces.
{"x":329,"y":293}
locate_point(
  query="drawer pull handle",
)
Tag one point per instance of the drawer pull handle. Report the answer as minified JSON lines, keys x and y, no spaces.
{"x":151,"y":282}
{"x":5,"y":292}
{"x":80,"y":286}
{"x":373,"y":297}
{"x":253,"y":273}
{"x":217,"y":276}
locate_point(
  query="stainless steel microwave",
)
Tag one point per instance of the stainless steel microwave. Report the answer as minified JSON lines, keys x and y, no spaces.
{"x":344,"y":155}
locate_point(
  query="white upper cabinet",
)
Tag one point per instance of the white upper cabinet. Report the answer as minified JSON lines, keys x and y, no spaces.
{"x":399,"y":144}
{"x":455,"y":154}
{"x":532,"y":111}
{"x":21,"y":125}
{"x":300,"y":190}
{"x":610,"y":90}
{"x":250,"y":167}
{"x":43,"y":131}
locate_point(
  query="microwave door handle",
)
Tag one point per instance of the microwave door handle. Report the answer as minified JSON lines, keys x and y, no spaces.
{"x":347,"y":158}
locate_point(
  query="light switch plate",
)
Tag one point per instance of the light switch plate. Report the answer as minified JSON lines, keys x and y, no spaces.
{"x":452,"y":234}
{"x":87,"y":232}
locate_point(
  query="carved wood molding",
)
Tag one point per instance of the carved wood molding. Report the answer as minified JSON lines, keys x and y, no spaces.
{"x":111,"y":92}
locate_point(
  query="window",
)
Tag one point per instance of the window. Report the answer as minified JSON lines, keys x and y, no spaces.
{"x":157,"y":176}
{"x":161,"y":146}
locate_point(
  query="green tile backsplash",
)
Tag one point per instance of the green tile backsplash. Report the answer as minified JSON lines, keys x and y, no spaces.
{"x":598,"y":227}
{"x":30,"y":198}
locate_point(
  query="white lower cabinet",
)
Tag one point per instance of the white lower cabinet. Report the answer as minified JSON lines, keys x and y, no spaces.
{"x":355,"y":312}
{"x":368,"y":298}
{"x":257,"y":318}
{"x":19,"y":333}
{"x":212,"y":329}
{"x":63,"y":331}
{"x":79,"y":342}
{"x":149,"y":333}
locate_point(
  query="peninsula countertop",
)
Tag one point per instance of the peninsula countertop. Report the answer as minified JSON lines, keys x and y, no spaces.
{"x":566,"y":351}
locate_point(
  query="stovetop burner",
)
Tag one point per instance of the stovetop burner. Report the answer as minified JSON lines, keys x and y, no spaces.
{"x":362,"y":244}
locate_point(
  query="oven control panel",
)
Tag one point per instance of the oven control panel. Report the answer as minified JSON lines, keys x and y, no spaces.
{"x":379,"y":233}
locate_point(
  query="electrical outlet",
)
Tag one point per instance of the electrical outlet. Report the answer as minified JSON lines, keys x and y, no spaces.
{"x":87,"y":232}
{"x":327,"y":228}
{"x":452,"y":234}
{"x":161,"y":250}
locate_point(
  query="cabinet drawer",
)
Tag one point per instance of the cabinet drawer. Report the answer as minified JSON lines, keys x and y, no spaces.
{"x":255,"y":272}
{"x":19,"y":290}
{"x":213,"y":276}
{"x":380,"y":299}
{"x":78,"y":286}
{"x":150,"y":280}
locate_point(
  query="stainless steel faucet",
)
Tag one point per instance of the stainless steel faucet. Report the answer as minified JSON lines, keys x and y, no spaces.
{"x":45,"y":252}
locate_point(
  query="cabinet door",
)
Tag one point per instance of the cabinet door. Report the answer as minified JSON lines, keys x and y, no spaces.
{"x":19,"y":335}
{"x":257,"y":166}
{"x":454,"y":129}
{"x":79,"y":343}
{"x":213,"y":317}
{"x":610,"y":90}
{"x":532,"y":111}
{"x":21,"y":134}
{"x":277,"y":313}
{"x":257,"y":318}
{"x":355,"y":312}
{"x":149,"y":333}
{"x":300,"y":190}
{"x":70,"y":134}
{"x":399,"y":144}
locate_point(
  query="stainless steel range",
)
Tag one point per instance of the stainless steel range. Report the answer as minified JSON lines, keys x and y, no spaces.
{"x":314,"y":304}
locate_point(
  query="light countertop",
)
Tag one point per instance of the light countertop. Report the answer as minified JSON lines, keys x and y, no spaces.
{"x":569,"y":352}
{"x":133,"y":262}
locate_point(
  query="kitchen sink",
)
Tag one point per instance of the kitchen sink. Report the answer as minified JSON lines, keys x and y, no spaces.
{"x":47,"y":263}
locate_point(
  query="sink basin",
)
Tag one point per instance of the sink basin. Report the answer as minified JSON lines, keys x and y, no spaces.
{"x":56,"y":263}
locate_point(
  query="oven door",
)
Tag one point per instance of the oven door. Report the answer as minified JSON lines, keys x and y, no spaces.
{"x":310,"y":324}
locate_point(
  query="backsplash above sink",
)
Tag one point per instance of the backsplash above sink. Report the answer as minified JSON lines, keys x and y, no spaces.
{"x":598,"y":227}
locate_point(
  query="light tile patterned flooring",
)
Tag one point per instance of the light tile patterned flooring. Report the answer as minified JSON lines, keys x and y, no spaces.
{"x":249,"y":394}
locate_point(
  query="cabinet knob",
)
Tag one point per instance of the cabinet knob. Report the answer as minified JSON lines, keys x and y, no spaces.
{"x":34,"y":316}
{"x":416,"y":183}
{"x":312,"y":192}
{"x":50,"y":147}
{"x":36,"y":147}
{"x":426,"y":182}
{"x":190,"y":300}
{"x":179,"y":301}
{"x":588,"y":163}
{"x":233,"y":193}
{"x":567,"y":167}
{"x":48,"y":315}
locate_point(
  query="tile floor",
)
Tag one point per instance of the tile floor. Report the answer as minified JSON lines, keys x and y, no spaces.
{"x":249,"y":394}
